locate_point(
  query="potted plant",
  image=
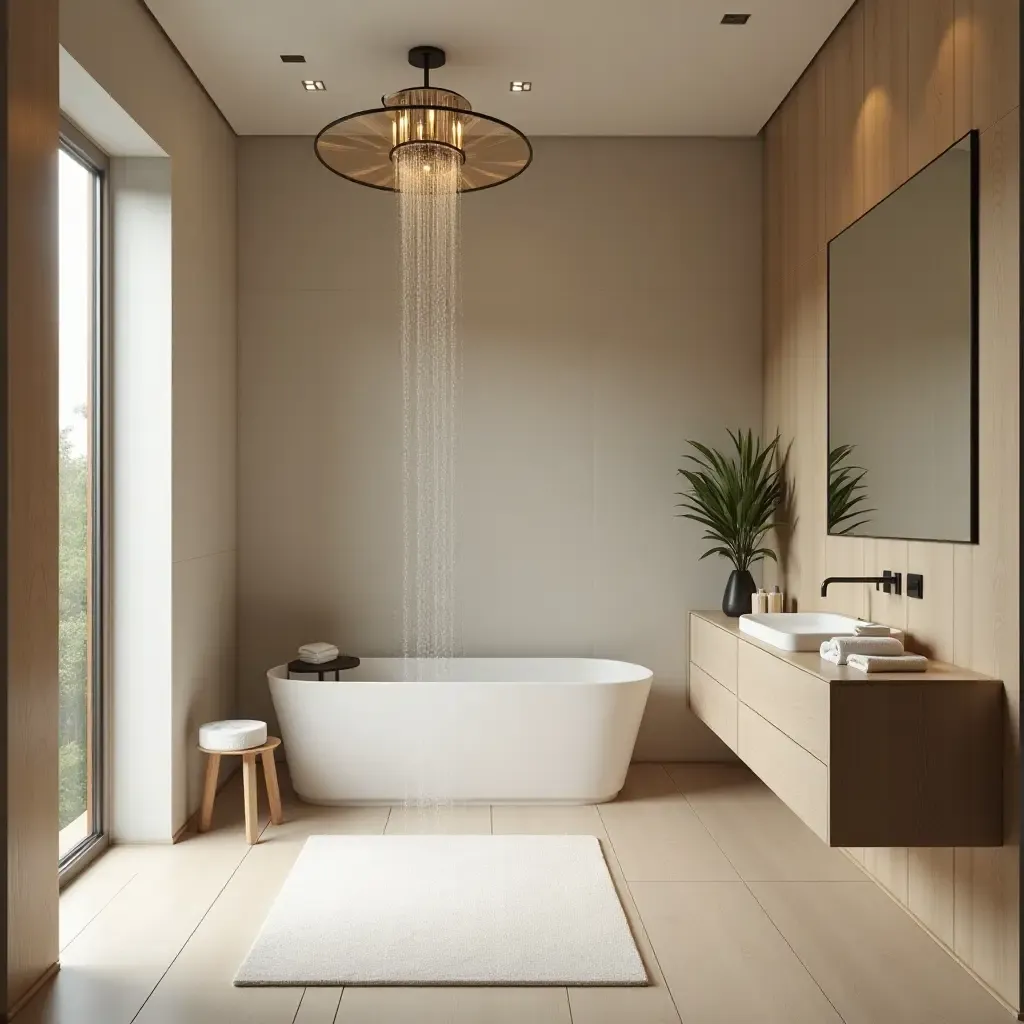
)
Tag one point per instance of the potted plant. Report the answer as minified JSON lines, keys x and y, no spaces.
{"x":734,"y":497}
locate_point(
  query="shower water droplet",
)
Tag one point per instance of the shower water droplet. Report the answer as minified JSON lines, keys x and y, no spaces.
{"x":428,"y":204}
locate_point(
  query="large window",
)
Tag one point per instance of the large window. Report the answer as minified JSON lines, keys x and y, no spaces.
{"x":81,"y":578}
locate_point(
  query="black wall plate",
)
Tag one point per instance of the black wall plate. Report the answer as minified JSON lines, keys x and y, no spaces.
{"x":915,"y":584}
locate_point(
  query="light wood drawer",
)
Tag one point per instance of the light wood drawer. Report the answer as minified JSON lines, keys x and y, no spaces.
{"x":797,"y":778}
{"x":714,"y":705}
{"x":792,"y":700}
{"x":713,"y":650}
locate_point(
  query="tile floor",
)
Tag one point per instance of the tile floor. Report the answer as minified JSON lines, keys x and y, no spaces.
{"x":739,"y":911}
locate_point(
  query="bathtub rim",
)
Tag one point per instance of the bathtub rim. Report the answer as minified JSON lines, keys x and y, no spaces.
{"x":641,"y":674}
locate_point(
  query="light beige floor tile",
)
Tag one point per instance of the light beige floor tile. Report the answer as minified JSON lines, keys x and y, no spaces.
{"x":651,"y":1004}
{"x":471,"y":819}
{"x":198,"y":985}
{"x":90,"y":892}
{"x":763,"y":839}
{"x":318,"y":1006}
{"x":305,"y":820}
{"x":111,"y":967}
{"x":646,"y":782}
{"x":454,"y":1005}
{"x":656,"y":834}
{"x":302,"y":820}
{"x":872,"y":960}
{"x":547,"y":819}
{"x":723,"y":959}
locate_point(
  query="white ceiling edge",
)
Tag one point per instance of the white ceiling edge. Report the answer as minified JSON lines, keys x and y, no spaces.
{"x":676,"y":72}
{"x":92,"y":109}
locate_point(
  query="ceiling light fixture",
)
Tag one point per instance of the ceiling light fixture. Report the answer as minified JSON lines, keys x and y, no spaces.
{"x":314,"y":85}
{"x":520,"y":86}
{"x":735,"y":19}
{"x":292,"y":58}
{"x":364,"y":147}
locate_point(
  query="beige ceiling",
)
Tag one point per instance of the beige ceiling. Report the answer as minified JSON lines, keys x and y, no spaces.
{"x":598,"y":67}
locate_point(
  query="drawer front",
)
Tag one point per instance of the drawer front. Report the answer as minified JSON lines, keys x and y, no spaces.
{"x":714,"y":705}
{"x":793,"y":701}
{"x":796,"y":778}
{"x":713,"y":650}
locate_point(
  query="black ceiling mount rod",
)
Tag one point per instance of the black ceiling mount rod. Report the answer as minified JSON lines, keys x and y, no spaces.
{"x":428,"y":58}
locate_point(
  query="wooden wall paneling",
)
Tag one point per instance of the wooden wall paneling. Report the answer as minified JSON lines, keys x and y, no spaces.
{"x":878,"y":556}
{"x":843,"y":57}
{"x":931,"y":85}
{"x":789,"y":186}
{"x":930,"y":891}
{"x":809,"y":98}
{"x":986,"y":906}
{"x":771,"y":300}
{"x":810,"y":400}
{"x":31,"y":409}
{"x":963,"y":71}
{"x":889,"y":865}
{"x":886,"y":81}
{"x":994,"y":61}
{"x":986,"y":895}
{"x":789,"y":537}
{"x":930,"y":619}
{"x":844,"y":556}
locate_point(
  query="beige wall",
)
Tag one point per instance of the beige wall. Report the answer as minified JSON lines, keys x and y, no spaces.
{"x":611,"y":310}
{"x":120,"y":45}
{"x":896,"y":84}
{"x":29,"y":463}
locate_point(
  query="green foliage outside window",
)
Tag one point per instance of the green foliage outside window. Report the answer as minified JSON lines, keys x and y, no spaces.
{"x":73,"y":627}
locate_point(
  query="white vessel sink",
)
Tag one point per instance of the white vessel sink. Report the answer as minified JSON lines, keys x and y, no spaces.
{"x":797,"y":631}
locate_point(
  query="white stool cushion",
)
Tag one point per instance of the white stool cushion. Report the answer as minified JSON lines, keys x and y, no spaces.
{"x":239,"y":734}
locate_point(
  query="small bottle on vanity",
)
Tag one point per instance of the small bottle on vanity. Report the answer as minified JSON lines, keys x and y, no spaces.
{"x":776,"y":602}
{"x":759,"y":602}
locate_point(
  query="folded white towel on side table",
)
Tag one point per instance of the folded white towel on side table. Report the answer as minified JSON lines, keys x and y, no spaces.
{"x":839,"y":648}
{"x":880,"y":663}
{"x":872,"y":629}
{"x":318,"y":653}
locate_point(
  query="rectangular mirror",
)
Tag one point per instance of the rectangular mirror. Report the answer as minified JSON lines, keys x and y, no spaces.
{"x":903,"y":360}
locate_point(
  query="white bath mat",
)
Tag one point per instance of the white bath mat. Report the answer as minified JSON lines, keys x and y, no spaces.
{"x":446,"y":910}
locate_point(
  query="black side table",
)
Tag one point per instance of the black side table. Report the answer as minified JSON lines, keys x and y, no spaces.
{"x":340,"y":664}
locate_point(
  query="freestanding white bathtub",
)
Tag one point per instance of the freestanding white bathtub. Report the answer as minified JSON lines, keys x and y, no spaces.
{"x":465,"y":730}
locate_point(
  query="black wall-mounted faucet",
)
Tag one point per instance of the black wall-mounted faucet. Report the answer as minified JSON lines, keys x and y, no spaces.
{"x":890,"y":582}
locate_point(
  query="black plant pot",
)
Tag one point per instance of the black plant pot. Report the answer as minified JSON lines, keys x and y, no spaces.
{"x":738,"y":592}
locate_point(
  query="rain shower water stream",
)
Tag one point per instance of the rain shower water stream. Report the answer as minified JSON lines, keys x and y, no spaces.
{"x":427,"y":178}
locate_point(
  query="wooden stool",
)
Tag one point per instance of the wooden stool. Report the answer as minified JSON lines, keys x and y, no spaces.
{"x":266,"y":752}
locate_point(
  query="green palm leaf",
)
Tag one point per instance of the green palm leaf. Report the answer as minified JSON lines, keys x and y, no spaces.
{"x":847,"y":492}
{"x":734,"y":497}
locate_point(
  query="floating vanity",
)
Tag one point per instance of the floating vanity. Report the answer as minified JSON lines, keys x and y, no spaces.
{"x":901,"y":759}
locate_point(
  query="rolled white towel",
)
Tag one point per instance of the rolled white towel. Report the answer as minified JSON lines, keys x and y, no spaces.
{"x":318,"y":653}
{"x":839,"y":648}
{"x":880,"y":663}
{"x":872,"y":629}
{"x":830,"y":653}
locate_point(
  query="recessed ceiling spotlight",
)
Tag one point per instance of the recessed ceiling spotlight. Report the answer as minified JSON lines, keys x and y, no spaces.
{"x":292,"y":58}
{"x":520,"y":86}
{"x":314,"y":85}
{"x":735,"y":19}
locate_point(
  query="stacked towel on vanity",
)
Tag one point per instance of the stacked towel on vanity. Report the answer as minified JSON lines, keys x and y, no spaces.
{"x":898,"y":663}
{"x":318,"y":653}
{"x":872,"y":629}
{"x":839,"y":649}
